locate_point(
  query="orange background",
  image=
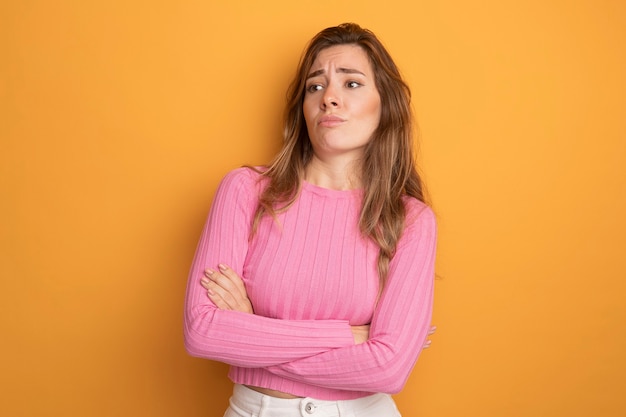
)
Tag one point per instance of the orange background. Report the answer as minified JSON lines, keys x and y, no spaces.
{"x":118,"y":119}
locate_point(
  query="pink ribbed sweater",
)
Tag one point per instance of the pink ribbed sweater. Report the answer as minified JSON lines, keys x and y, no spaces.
{"x":309,"y":278}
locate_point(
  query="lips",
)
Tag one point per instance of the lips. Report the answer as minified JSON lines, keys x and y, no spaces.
{"x":330,"y":120}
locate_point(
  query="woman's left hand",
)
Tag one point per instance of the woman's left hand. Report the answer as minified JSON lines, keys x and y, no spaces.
{"x":226,"y":289}
{"x":432,"y":331}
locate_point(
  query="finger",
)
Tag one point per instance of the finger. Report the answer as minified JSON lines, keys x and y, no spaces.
{"x":223,"y":281}
{"x":426,"y":344}
{"x":221,"y":297}
{"x":208,"y":285}
{"x":215,"y":297}
{"x":226,"y":289}
{"x":218,"y":289}
{"x":228,"y":292}
{"x":432,"y":330}
{"x":205,"y":283}
{"x":234,"y":278}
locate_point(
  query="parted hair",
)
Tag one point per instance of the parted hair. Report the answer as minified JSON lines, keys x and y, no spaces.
{"x":387,"y":170}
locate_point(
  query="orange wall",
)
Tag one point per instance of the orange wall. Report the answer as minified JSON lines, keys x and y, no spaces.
{"x":118,"y":119}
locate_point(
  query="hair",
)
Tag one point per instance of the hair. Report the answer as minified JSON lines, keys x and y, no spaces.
{"x":387,"y":170}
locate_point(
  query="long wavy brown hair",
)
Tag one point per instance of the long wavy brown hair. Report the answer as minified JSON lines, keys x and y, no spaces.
{"x":387,"y":170}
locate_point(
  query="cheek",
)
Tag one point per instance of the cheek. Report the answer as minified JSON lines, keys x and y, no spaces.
{"x":373,"y":110}
{"x":307,"y":112}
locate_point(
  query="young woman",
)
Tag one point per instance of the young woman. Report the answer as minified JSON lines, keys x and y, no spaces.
{"x":313,"y":277}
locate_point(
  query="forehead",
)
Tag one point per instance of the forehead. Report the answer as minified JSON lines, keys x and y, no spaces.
{"x":345,"y":56}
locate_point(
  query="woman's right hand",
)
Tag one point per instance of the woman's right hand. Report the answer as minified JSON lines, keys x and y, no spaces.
{"x":362,"y":333}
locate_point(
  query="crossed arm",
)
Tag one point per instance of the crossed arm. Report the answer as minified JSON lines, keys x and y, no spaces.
{"x":221,"y":324}
{"x":227,"y":291}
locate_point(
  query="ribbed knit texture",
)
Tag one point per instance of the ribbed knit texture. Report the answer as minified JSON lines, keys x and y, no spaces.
{"x":309,"y":277}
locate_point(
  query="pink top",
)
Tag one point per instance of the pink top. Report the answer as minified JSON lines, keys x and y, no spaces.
{"x":309,"y":278}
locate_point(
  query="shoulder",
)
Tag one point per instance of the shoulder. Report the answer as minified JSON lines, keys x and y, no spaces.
{"x":241,"y":187}
{"x":248,"y":179}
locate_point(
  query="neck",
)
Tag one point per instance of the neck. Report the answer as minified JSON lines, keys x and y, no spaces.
{"x":335,"y":174}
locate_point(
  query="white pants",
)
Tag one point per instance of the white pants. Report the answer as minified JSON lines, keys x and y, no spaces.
{"x":249,"y":403}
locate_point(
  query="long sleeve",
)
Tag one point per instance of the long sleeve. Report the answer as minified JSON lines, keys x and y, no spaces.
{"x":398,"y":330}
{"x":245,"y":340}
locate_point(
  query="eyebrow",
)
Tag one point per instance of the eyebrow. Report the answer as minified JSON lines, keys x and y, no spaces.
{"x":341,"y":70}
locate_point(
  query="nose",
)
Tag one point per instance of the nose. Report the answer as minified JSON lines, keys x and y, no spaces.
{"x":330,"y":98}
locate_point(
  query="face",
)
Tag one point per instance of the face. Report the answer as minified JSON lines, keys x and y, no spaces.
{"x":341,"y":103}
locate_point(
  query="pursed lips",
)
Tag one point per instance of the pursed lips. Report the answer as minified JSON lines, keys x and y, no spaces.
{"x":330,"y":120}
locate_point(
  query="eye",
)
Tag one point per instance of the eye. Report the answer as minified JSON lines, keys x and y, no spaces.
{"x":313,"y":88}
{"x":353,"y":84}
